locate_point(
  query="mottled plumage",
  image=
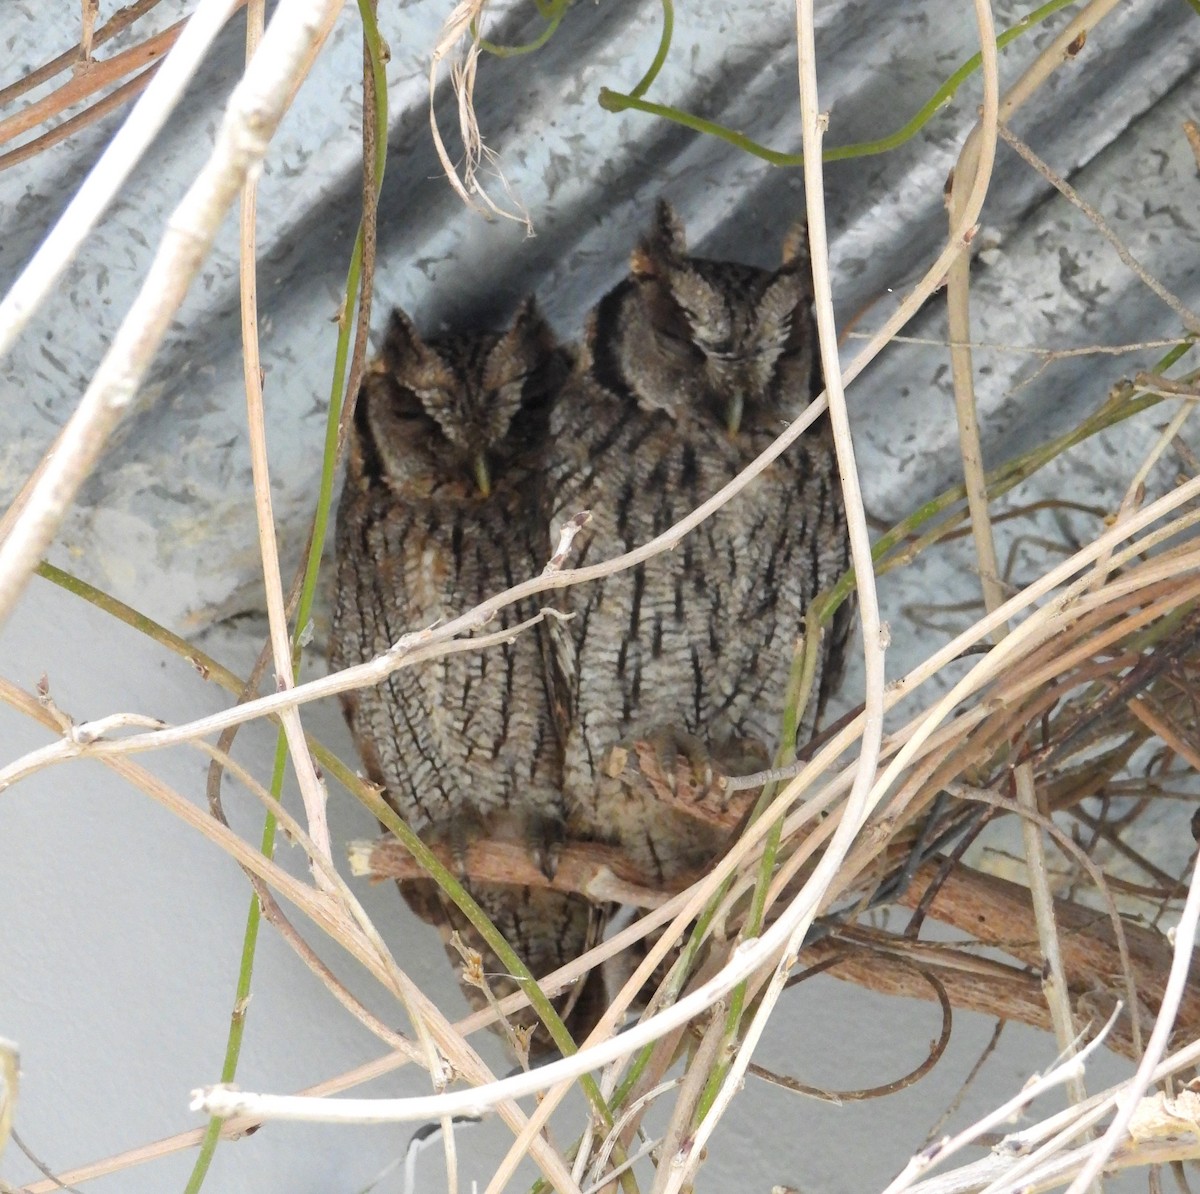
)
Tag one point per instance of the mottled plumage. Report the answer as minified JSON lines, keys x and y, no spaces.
{"x":690,"y":369}
{"x":441,"y":509}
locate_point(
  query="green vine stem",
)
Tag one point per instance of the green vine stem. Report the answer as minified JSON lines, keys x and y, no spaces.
{"x":1123,"y":403}
{"x":664,"y":46}
{"x":376,"y":54}
{"x":894,"y":548}
{"x":552,"y":11}
{"x":619,"y":101}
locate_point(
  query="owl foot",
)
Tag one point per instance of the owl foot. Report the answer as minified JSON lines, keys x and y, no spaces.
{"x":679,"y":767}
{"x":660,"y":797}
{"x":463,"y":831}
{"x":545,"y":834}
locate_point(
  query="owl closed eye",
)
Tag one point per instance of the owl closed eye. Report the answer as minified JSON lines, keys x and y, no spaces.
{"x":692,"y":336}
{"x":459,"y":412}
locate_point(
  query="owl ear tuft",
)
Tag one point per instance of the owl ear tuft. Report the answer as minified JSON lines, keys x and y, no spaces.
{"x":797,"y":265}
{"x":795,"y":245}
{"x":529,"y":329}
{"x":665,"y":245}
{"x":401,"y":343}
{"x":527,"y":311}
{"x":528,"y":343}
{"x":783,"y":311}
{"x":523,"y":371}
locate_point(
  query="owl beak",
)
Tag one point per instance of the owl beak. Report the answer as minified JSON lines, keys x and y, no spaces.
{"x":482,"y":477}
{"x":733,"y":414}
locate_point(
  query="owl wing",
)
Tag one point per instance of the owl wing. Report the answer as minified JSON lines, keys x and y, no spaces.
{"x":833,"y":662}
{"x":560,"y":673}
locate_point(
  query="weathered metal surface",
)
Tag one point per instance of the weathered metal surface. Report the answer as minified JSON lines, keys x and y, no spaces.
{"x":167,"y":522}
{"x":168,"y":519}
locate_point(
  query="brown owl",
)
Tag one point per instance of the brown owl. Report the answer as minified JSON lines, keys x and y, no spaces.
{"x":442,"y":507}
{"x":690,"y":369}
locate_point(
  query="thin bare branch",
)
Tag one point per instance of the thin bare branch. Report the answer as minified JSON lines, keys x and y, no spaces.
{"x":120,"y":20}
{"x":1032,"y":350}
{"x":84,"y":738}
{"x":1187,"y":317}
{"x":97,"y":76}
{"x":68,"y":128}
{"x":255,"y":109}
{"x":312,"y":789}
{"x":1156,"y":1047}
{"x":942,"y":1149}
{"x":124,"y":151}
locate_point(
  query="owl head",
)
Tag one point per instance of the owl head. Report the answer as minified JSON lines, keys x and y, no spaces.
{"x":709,"y":339}
{"x":458,"y":415}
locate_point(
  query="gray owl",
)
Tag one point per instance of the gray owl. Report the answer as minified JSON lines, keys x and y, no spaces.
{"x":690,"y":369}
{"x":441,"y":509}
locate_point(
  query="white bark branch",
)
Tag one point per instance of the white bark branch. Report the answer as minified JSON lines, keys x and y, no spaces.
{"x":124,"y":152}
{"x":254,"y":111}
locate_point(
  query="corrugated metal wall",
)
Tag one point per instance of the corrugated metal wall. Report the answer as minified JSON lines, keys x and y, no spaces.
{"x":175,"y":488}
{"x":167,"y":522}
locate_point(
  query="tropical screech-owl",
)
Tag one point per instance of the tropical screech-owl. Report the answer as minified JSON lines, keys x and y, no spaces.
{"x":690,"y":369}
{"x":442,"y":508}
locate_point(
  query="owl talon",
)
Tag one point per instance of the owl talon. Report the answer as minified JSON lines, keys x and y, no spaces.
{"x":462,"y":833}
{"x":545,"y":834}
{"x":613,"y":762}
{"x":659,"y":757}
